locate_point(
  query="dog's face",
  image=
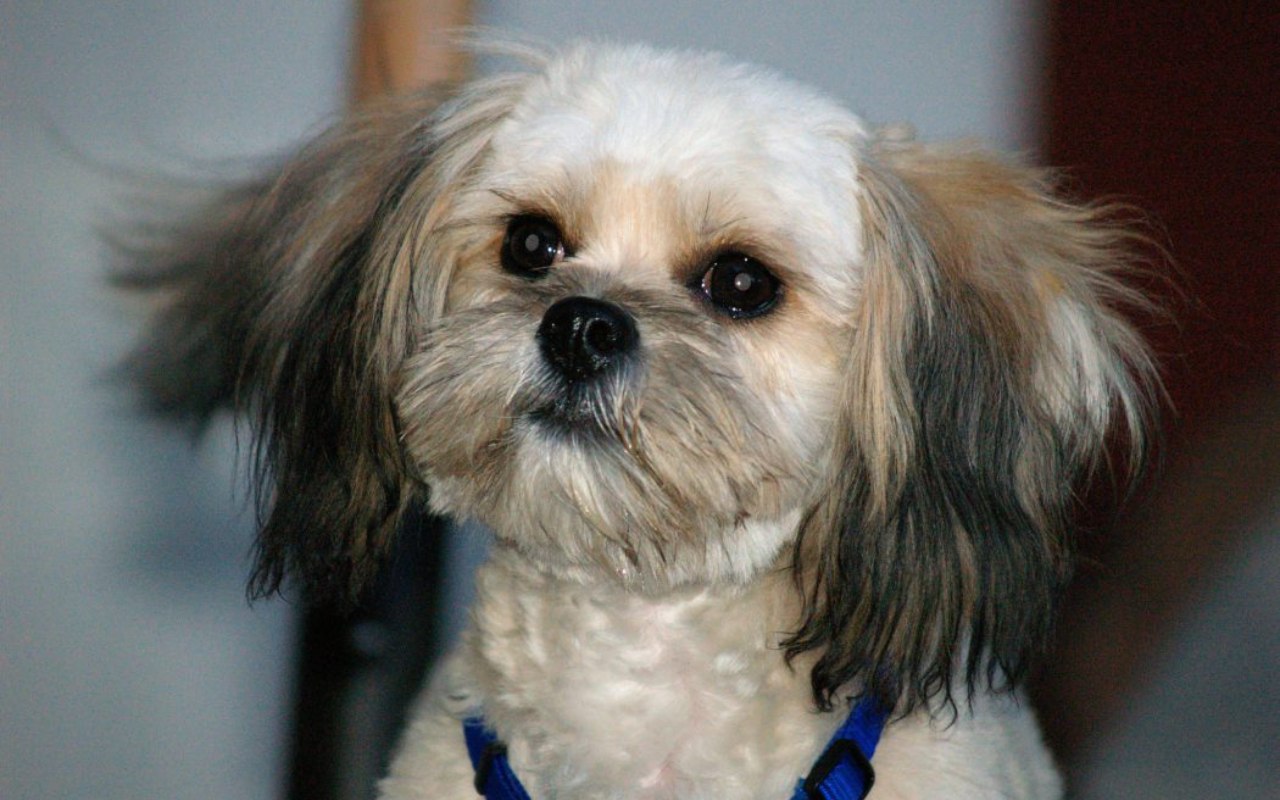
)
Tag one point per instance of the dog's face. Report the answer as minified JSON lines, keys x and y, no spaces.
{"x":635,"y":362}
{"x":661,"y":319}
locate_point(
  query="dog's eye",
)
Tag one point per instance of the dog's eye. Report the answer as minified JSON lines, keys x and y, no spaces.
{"x":532,"y":245}
{"x":740,"y":286}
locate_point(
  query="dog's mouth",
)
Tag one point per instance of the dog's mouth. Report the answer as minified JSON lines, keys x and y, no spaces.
{"x":567,"y":419}
{"x":580,"y":414}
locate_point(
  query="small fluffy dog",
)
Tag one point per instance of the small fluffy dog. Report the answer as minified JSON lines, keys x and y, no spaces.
{"x":773,"y":416}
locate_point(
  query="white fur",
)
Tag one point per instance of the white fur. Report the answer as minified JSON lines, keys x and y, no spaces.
{"x":600,"y":693}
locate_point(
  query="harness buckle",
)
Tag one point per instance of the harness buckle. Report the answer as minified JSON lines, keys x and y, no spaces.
{"x":832,"y":757}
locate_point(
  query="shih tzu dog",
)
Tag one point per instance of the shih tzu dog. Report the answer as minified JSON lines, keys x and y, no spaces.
{"x":777,"y":420}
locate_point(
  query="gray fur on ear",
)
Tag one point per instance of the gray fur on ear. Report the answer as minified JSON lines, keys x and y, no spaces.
{"x":988,"y":363}
{"x":292,"y":299}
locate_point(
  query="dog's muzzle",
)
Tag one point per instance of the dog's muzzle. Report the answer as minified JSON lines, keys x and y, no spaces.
{"x":583,"y":338}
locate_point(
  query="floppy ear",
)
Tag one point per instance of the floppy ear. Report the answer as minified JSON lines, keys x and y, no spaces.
{"x":987,"y":364}
{"x":293,"y":300}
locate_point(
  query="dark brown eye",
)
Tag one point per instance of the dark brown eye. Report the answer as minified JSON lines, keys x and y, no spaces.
{"x":531,"y":246}
{"x":739,"y":286}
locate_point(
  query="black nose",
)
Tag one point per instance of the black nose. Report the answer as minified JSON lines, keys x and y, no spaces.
{"x":582,"y":337}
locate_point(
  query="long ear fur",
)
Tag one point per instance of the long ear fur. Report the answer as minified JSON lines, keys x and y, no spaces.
{"x":988,"y":363}
{"x":292,"y":299}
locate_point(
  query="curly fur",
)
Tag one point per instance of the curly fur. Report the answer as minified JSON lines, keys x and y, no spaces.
{"x":745,"y":526}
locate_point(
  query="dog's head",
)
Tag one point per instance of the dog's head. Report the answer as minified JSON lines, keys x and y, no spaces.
{"x":662,"y":319}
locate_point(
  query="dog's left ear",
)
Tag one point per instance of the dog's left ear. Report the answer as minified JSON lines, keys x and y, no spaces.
{"x":987,"y":364}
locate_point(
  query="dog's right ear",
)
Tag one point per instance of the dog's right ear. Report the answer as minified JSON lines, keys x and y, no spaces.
{"x":291,"y":299}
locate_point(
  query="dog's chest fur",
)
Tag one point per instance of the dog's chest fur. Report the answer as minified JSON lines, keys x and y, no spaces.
{"x":604,"y":695}
{"x":596,"y":689}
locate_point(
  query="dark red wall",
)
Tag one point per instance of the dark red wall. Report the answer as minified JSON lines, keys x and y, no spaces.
{"x":1174,"y":107}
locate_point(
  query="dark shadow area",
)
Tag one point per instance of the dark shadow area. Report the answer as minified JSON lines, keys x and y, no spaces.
{"x":359,"y":671}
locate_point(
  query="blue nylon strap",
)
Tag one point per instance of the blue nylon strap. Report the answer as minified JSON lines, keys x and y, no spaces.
{"x":842,"y":772}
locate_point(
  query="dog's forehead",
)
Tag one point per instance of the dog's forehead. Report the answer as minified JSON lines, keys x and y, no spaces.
{"x":659,"y":108}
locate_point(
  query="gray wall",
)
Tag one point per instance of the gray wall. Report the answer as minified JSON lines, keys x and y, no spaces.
{"x":130,"y":665}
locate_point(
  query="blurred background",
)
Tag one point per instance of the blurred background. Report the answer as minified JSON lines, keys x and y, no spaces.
{"x":130,"y":663}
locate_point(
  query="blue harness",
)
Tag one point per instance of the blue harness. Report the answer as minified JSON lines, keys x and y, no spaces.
{"x":842,"y":772}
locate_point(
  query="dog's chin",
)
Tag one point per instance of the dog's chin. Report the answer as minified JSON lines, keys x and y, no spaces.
{"x":578,"y":501}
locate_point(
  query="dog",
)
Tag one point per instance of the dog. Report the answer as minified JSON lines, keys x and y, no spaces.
{"x":777,"y":420}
